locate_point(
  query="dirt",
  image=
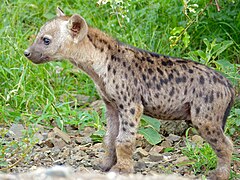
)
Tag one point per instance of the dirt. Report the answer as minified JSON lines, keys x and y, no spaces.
{"x":76,"y":153}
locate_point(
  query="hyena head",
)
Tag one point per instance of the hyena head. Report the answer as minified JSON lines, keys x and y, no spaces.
{"x":56,"y":37}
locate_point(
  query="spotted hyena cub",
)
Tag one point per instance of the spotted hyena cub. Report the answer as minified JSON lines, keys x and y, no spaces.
{"x":133,"y":82}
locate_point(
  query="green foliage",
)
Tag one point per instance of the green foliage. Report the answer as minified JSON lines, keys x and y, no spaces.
{"x":203,"y":156}
{"x":233,"y":124}
{"x":13,"y":151}
{"x":149,"y":129}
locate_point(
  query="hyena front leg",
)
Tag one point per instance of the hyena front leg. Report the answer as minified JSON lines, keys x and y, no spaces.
{"x":125,"y":142}
{"x":110,"y":157}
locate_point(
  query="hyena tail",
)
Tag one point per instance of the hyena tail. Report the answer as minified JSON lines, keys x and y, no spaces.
{"x":227,"y":112}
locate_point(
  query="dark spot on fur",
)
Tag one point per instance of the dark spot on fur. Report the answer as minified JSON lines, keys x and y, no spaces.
{"x":154,"y":78}
{"x":144,"y":77}
{"x":136,"y":64}
{"x":160,"y":71}
{"x":181,"y":61}
{"x":211,"y":97}
{"x":126,"y":76}
{"x":171,"y":93}
{"x":133,"y":74}
{"x":190,"y":71}
{"x":170,"y":76}
{"x":150,"y":71}
{"x":206,"y":99}
{"x":164,"y":63}
{"x":154,"y":55}
{"x":184,"y":67}
{"x":185,"y":91}
{"x":184,"y":79}
{"x":193,"y":90}
{"x":121,"y":106}
{"x":124,"y":64}
{"x":114,"y":71}
{"x":135,"y":81}
{"x":109,"y":67}
{"x":149,"y":60}
{"x":125,"y":98}
{"x":169,"y":63}
{"x":131,"y":124}
{"x":124,"y":129}
{"x":213,"y":140}
{"x":201,"y":80}
{"x":132,"y":110}
{"x":197,"y":110}
{"x":158,"y":87}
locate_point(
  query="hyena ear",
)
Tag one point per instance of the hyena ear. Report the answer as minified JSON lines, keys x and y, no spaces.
{"x":78,"y":27}
{"x":60,"y":12}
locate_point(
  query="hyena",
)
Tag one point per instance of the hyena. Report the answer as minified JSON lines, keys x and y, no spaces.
{"x":133,"y":82}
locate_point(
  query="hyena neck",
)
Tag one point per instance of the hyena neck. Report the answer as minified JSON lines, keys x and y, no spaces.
{"x":93,"y":53}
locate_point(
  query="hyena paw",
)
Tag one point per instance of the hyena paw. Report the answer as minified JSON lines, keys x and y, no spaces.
{"x":219,"y":174}
{"x":106,"y":164}
{"x":122,"y":168}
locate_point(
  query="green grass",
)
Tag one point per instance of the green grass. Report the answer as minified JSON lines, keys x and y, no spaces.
{"x":38,"y":94}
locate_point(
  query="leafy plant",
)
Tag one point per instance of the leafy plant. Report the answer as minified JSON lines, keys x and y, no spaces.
{"x":150,"y":129}
{"x":204,"y":157}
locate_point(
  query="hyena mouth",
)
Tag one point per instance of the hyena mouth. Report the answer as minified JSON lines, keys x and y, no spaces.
{"x":44,"y":58}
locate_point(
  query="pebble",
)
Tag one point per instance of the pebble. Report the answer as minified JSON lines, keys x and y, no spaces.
{"x":16,"y":131}
{"x":141,"y":152}
{"x":166,"y":144}
{"x":173,"y":138}
{"x":153,"y":156}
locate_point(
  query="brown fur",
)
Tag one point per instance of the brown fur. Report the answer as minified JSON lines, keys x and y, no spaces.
{"x":133,"y":81}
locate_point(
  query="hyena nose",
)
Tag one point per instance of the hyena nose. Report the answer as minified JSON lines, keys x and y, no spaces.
{"x":27,"y":54}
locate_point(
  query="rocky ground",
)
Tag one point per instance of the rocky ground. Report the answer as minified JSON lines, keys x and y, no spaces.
{"x":77,"y":150}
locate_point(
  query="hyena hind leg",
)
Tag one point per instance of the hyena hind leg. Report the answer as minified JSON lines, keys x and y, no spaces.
{"x":221,"y":144}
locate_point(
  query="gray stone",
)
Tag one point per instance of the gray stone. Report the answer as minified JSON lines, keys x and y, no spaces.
{"x":15,"y":131}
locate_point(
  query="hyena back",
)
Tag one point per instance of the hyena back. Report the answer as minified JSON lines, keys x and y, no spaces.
{"x":133,"y":82}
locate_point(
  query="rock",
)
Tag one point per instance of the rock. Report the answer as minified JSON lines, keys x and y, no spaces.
{"x":157,"y":149}
{"x":141,"y":152}
{"x":62,"y":135}
{"x":197,"y":139}
{"x":83,"y":140}
{"x":49,"y":143}
{"x":40,"y":137}
{"x":181,"y":160}
{"x":58,"y":143}
{"x":140,"y":165}
{"x":154,"y":157}
{"x":65,"y":153}
{"x":15,"y":131}
{"x":166,"y":144}
{"x":173,"y":138}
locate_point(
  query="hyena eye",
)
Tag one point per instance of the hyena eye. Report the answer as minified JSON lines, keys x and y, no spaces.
{"x":46,"y":41}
